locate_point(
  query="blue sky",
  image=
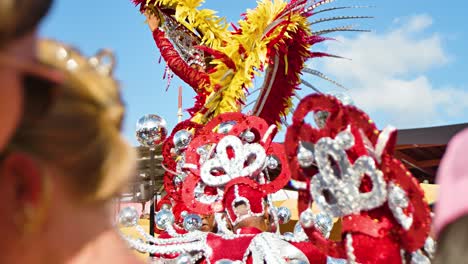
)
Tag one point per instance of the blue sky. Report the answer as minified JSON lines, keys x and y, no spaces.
{"x":409,"y":72}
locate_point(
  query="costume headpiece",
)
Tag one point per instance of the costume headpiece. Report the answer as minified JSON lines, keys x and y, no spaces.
{"x":252,"y":200}
{"x":236,"y":158}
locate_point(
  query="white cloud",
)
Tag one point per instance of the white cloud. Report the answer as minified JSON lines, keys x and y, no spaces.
{"x":388,"y":73}
{"x":416,"y":23}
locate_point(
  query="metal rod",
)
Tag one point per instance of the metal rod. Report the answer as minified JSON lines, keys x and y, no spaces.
{"x":179,"y":105}
{"x":153,"y":193}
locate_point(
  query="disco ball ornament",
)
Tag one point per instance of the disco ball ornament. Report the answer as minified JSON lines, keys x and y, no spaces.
{"x":224,"y":261}
{"x":192,"y":222}
{"x":225,"y":127}
{"x":177,"y":180}
{"x":307,"y":218}
{"x":128,"y":216}
{"x":151,"y":130}
{"x":299,"y":232}
{"x":343,"y":98}
{"x":298,"y":229}
{"x":272,"y":163}
{"x":324,"y":223}
{"x":284,"y":215}
{"x":164,"y":218}
{"x":184,"y":214}
{"x":430,"y":247}
{"x":180,"y":164}
{"x":418,"y":257}
{"x":182,"y":139}
{"x":204,"y":152}
{"x":320,"y":118}
{"x":184,"y":259}
{"x":331,"y":260}
{"x":305,"y":156}
{"x":297,"y":261}
{"x":248,"y":136}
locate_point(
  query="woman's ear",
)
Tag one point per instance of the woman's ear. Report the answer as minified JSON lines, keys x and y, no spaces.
{"x":228,"y":221}
{"x":24,"y":189}
{"x":25,"y":178}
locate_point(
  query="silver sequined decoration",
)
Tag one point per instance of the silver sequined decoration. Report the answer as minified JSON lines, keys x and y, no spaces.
{"x":397,"y":202}
{"x":397,"y":196}
{"x":350,"y":249}
{"x":184,"y":42}
{"x":234,"y":167}
{"x":336,"y":189}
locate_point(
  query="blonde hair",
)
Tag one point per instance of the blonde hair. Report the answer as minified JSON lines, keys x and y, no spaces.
{"x":18,"y":17}
{"x":80,"y":133}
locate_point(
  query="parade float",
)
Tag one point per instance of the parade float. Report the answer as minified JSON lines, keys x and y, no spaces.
{"x":211,"y":181}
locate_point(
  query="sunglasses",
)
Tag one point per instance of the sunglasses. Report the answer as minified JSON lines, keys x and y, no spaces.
{"x":39,"y":83}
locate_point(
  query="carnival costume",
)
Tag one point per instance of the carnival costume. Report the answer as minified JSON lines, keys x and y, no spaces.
{"x":355,"y":176}
{"x":224,"y":162}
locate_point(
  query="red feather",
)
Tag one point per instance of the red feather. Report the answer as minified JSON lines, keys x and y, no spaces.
{"x":218,"y":55}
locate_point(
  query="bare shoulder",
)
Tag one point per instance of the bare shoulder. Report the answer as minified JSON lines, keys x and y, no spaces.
{"x":127,"y":259}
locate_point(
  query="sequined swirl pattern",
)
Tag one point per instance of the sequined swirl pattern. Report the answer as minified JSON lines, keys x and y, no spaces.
{"x":336,"y":186}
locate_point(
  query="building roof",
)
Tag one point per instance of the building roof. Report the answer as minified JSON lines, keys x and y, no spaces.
{"x":420,"y":149}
